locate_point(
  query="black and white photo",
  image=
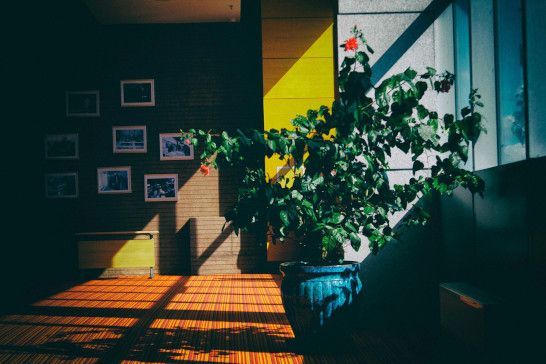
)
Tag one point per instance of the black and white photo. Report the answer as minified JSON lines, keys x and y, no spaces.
{"x":137,"y":93}
{"x":61,"y":146}
{"x":83,"y":103}
{"x":160,"y":187}
{"x":61,"y":185}
{"x":111,"y":180}
{"x":129,"y":139}
{"x":173,"y":147}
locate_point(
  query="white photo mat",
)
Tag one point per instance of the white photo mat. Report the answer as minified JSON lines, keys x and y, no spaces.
{"x":160,"y":187}
{"x":113,"y":184}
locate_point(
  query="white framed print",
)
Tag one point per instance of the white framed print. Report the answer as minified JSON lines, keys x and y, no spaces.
{"x":129,"y":139}
{"x":112,"y":180}
{"x":160,"y":187}
{"x":61,"y":185}
{"x":82,"y":103}
{"x":61,"y":146}
{"x":137,"y":93}
{"x":172,"y":147}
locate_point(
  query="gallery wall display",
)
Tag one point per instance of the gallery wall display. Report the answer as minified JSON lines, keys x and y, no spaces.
{"x":129,"y":139}
{"x":125,"y":139}
{"x":173,"y":147}
{"x":61,"y":185}
{"x":160,"y":187}
{"x":61,"y":146}
{"x":112,"y":180}
{"x":137,"y":93}
{"x":83,"y":103}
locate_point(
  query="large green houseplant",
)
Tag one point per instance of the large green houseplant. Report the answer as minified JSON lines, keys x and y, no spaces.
{"x":340,"y":155}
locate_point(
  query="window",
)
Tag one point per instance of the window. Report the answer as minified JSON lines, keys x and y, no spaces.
{"x":510,"y":60}
{"x":499,"y":71}
{"x":461,"y":33}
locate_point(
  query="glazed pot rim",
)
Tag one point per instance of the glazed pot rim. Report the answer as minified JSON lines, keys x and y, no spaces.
{"x":317,"y":268}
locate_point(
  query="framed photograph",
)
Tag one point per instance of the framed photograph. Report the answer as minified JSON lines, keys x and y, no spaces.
{"x":129,"y":139}
{"x":82,"y":103}
{"x":160,"y":187}
{"x":137,"y":93}
{"x":61,"y":146}
{"x":61,"y":185}
{"x":112,"y":180}
{"x":172,"y":147}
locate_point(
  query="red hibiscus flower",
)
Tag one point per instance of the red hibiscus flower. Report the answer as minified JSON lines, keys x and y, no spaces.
{"x":204,"y":169}
{"x":187,"y":141}
{"x":351,"y":44}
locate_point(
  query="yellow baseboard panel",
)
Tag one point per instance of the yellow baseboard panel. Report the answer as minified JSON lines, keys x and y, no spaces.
{"x":98,"y":254}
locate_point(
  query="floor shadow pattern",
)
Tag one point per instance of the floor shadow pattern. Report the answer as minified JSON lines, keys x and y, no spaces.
{"x":176,"y":319}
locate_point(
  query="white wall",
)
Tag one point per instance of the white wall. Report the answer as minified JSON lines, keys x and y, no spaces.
{"x":383,"y":22}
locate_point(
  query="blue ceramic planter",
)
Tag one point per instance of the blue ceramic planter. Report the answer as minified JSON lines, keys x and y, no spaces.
{"x":318,"y":299}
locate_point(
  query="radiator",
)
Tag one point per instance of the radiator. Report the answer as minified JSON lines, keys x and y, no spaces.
{"x":117,"y":253}
{"x":469,"y":314}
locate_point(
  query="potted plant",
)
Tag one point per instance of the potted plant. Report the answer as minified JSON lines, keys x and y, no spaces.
{"x":340,"y":191}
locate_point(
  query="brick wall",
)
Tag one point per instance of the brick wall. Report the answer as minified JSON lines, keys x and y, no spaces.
{"x":206,"y":76}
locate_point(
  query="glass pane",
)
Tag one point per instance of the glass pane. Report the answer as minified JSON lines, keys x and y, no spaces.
{"x":510,"y":85}
{"x":462,"y":54}
{"x":482,"y":25}
{"x":461,"y":15}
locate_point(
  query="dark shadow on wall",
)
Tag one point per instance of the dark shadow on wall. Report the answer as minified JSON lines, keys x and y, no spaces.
{"x":400,"y":283}
{"x":509,"y":254}
{"x":40,"y":237}
{"x":458,"y":249}
{"x":183,"y":242}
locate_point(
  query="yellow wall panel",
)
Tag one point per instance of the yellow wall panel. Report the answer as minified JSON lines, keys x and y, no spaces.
{"x":279,"y":112}
{"x":277,"y":115}
{"x":306,"y":78}
{"x":298,"y":74}
{"x":295,"y":38}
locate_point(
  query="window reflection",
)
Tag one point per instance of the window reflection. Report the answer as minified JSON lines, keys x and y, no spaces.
{"x":510,"y":81}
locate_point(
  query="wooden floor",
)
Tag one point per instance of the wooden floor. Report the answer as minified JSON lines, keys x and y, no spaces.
{"x":197,"y":319}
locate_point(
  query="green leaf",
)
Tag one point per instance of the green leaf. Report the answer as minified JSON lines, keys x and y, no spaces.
{"x":422,"y":112}
{"x":335,"y":219}
{"x":328,"y":243}
{"x":362,"y":57}
{"x":369,"y":210}
{"x":426,"y":132}
{"x":421,"y":87}
{"x":417,"y":166}
{"x":431,"y":71}
{"x":410,"y":73}
{"x":355,"y":241}
{"x":283,"y":215}
{"x":448,"y":120}
{"x":296,"y":195}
